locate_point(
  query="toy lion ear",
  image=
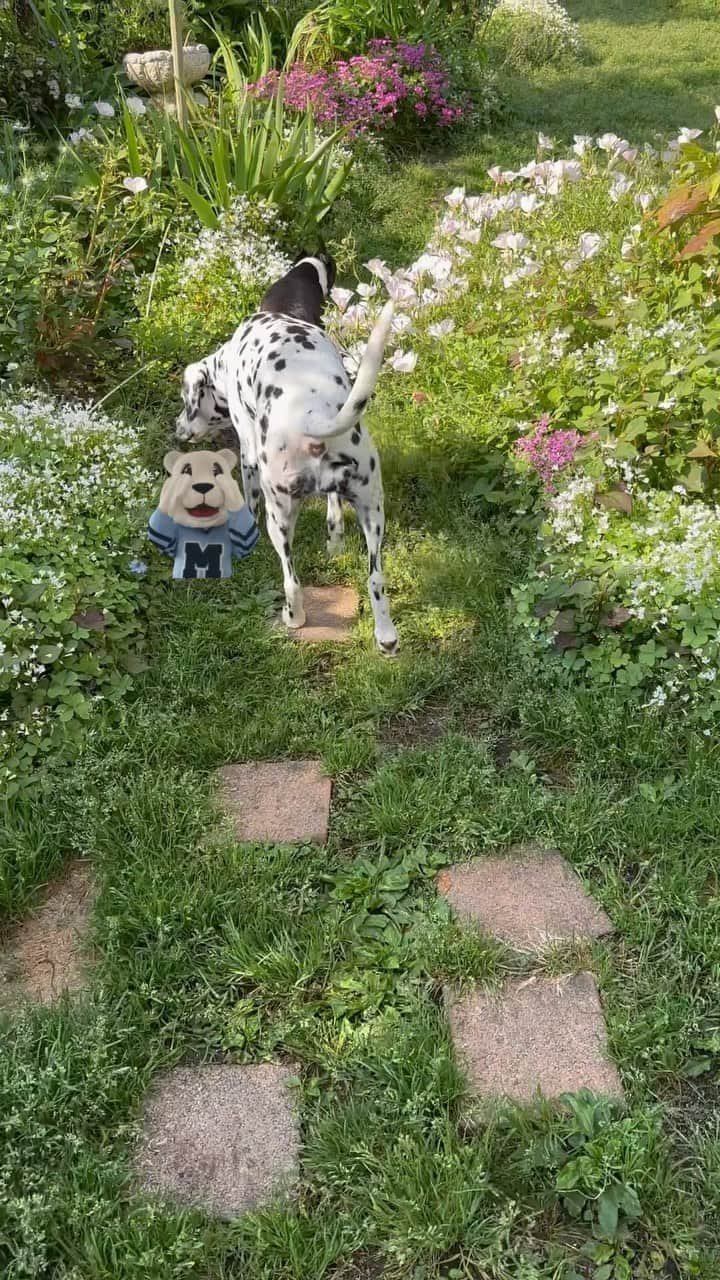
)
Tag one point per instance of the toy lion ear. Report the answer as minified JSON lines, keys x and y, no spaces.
{"x":170,"y":459}
{"x":228,"y":456}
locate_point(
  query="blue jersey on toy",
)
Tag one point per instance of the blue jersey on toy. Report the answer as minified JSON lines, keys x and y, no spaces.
{"x":201,"y":520}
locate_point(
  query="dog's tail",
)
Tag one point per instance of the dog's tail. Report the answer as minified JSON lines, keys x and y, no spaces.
{"x":364,"y":385}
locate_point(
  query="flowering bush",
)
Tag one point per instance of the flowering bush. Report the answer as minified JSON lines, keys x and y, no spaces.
{"x":215,"y":278}
{"x":396,"y":89}
{"x":631,"y":594}
{"x":70,"y":485}
{"x":616,"y":345}
{"x":531,"y":33}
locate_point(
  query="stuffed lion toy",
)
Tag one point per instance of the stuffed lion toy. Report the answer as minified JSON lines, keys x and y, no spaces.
{"x":201,"y":519}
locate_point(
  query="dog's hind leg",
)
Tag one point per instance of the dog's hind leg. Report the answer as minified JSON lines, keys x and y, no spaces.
{"x":370,"y":512}
{"x":251,"y":483}
{"x":282,"y":513}
{"x":335,"y":525}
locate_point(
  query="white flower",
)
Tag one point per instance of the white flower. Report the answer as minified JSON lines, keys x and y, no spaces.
{"x":612,"y":144}
{"x":73,"y":101}
{"x":668,"y":403}
{"x":495,"y":174}
{"x":529,"y":203}
{"x":455,"y":197}
{"x":401,"y":323}
{"x":378,"y":268}
{"x":442,"y":328}
{"x":80,"y":135}
{"x":619,"y":186}
{"x":688,"y":135}
{"x":341,"y":297}
{"x":545,"y":143}
{"x":643,"y":200}
{"x":135,"y":106}
{"x":583,"y":142}
{"x":589,"y":245}
{"x":367,"y":290}
{"x":104,"y":109}
{"x":135,"y":185}
{"x":403,"y":361}
{"x":511,"y":241}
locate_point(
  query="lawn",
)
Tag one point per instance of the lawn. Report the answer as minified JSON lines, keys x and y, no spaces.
{"x":334,"y":959}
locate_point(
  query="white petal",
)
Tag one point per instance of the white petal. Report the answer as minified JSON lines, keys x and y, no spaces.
{"x":442,"y":328}
{"x":135,"y":185}
{"x":341,"y":297}
{"x":136,"y":106}
{"x":403,"y":361}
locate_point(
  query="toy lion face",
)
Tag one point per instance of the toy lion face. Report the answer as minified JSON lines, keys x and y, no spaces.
{"x":200,"y":487}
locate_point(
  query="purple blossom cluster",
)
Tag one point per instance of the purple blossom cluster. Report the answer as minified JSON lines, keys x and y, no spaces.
{"x":394,"y":86}
{"x":548,"y":451}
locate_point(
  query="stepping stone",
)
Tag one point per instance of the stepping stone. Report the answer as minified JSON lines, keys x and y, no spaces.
{"x":527,"y":898}
{"x":281,"y":802}
{"x":220,"y":1138}
{"x":545,"y":1034}
{"x":329,"y":614}
{"x":45,"y":955}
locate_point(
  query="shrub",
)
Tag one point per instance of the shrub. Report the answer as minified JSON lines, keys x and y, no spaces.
{"x":70,"y":485}
{"x":336,"y":27}
{"x":532,"y":33}
{"x":396,"y":89}
{"x":196,"y":301}
{"x":628,"y":591}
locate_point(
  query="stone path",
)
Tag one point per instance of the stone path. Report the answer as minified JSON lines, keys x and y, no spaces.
{"x":220,"y":1138}
{"x":539,"y":1034}
{"x":46,"y":954}
{"x":527,"y":898}
{"x":330,"y":613}
{"x":282,"y":802}
{"x":224,"y":1138}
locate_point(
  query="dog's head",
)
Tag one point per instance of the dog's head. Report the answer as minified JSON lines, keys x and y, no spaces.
{"x":324,"y":265}
{"x":200,"y":490}
{"x":204,"y":406}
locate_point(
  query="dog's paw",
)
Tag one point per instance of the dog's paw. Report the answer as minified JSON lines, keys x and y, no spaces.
{"x":293,"y":619}
{"x":387,"y":642}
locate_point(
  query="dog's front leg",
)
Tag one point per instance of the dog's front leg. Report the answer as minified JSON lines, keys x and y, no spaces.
{"x":371,"y":515}
{"x":282,"y":512}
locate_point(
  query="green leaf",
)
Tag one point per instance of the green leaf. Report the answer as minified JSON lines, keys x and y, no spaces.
{"x":608,"y":1213}
{"x":201,"y":206}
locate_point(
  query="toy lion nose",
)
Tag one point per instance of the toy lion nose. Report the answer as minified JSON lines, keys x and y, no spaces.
{"x":203,"y":488}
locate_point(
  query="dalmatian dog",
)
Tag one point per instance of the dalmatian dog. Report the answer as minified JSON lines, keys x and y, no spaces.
{"x":282,"y":385}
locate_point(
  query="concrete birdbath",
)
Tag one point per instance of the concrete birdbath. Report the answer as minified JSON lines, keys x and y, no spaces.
{"x":154,"y":71}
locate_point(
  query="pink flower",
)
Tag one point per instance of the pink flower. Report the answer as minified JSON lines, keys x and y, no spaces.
{"x":548,"y":452}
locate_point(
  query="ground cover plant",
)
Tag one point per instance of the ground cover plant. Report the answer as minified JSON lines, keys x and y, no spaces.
{"x":481,"y":734}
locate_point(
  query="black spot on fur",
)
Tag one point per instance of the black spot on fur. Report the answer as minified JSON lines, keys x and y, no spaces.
{"x":355,"y":437}
{"x":376,"y":594}
{"x":373,"y":562}
{"x":279,"y":364}
{"x":340,"y":381}
{"x":360,"y":404}
{"x":372,"y":464}
{"x":277,"y":392}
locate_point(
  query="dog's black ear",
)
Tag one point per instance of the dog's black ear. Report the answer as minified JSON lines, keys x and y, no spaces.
{"x":330,"y":267}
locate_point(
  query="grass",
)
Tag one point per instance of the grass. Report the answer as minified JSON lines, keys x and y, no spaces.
{"x":333,"y":959}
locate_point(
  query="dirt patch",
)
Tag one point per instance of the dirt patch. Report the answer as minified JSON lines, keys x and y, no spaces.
{"x":46,"y":954}
{"x":424,"y":728}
